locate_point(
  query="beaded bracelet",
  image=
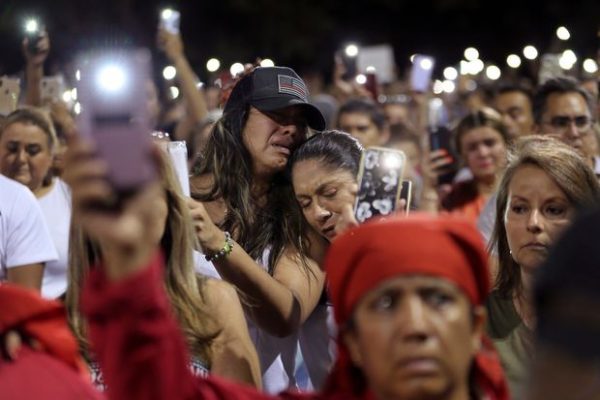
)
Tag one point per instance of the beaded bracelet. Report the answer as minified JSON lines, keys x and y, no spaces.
{"x":225,"y":250}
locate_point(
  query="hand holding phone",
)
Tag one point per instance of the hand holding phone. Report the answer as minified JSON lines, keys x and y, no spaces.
{"x":34,"y":33}
{"x":379,"y":182}
{"x":442,"y":157}
{"x":346,"y":61}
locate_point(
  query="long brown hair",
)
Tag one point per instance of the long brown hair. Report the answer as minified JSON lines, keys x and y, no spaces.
{"x":566,"y":168}
{"x":182,"y":284}
{"x":257,"y":227}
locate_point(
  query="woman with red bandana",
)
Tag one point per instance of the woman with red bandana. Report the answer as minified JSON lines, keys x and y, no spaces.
{"x":408,"y":314}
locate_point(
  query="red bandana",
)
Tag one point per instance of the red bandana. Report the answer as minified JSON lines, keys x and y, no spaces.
{"x":444,"y":246}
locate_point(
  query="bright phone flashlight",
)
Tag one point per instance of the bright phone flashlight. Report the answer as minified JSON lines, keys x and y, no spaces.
{"x":391,"y":161}
{"x":32,"y":26}
{"x":166,"y":13}
{"x":111,"y":78}
{"x":351,"y":50}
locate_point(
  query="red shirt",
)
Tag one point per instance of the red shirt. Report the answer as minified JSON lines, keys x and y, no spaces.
{"x":141,"y":351}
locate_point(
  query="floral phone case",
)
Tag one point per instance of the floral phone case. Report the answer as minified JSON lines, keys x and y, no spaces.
{"x":379,"y":182}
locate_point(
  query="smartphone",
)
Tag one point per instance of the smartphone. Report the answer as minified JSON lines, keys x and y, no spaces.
{"x":420,"y":75}
{"x":34,"y":32}
{"x":52,"y":88}
{"x":379,"y":182}
{"x":113,"y":116}
{"x":440,"y":136}
{"x":350,"y":64}
{"x":406,"y":195}
{"x":9,"y":94}
{"x":169,"y":20}
{"x":371,"y":84}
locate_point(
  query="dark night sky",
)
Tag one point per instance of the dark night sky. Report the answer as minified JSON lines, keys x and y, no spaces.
{"x":305,"y":33}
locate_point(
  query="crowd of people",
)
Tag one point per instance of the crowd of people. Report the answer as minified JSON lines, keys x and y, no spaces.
{"x":262,"y":284}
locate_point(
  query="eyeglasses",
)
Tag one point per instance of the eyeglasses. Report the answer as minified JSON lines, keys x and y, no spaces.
{"x":582,"y":122}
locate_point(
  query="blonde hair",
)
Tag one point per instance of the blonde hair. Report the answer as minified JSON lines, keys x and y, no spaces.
{"x":33,"y":116}
{"x":183,"y":286}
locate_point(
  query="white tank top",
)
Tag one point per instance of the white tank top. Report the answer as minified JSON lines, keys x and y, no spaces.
{"x":56,"y":207}
{"x":278,"y":355}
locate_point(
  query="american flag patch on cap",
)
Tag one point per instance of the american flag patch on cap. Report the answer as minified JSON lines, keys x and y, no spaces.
{"x":293,"y":86}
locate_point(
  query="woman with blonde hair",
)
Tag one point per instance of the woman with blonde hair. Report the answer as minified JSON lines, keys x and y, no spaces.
{"x":545,"y":184}
{"x":208,"y":311}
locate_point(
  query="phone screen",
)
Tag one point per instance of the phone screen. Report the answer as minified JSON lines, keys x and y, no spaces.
{"x":379,"y":182}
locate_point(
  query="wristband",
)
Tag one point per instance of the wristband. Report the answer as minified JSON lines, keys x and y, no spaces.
{"x":225,"y":250}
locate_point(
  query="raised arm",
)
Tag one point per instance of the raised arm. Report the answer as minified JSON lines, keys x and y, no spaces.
{"x":34,"y":69}
{"x":132,"y":329}
{"x":196,"y":109}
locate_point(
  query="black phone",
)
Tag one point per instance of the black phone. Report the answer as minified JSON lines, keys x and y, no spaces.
{"x":406,"y":195}
{"x":371,"y":84}
{"x":440,"y":136}
{"x":379,"y":182}
{"x":34,"y":32}
{"x":349,"y":60}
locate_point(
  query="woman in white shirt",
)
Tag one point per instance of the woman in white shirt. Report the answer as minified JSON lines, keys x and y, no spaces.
{"x":27,"y":145}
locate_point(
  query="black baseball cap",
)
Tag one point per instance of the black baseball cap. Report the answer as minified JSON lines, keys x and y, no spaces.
{"x":274,"y":88}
